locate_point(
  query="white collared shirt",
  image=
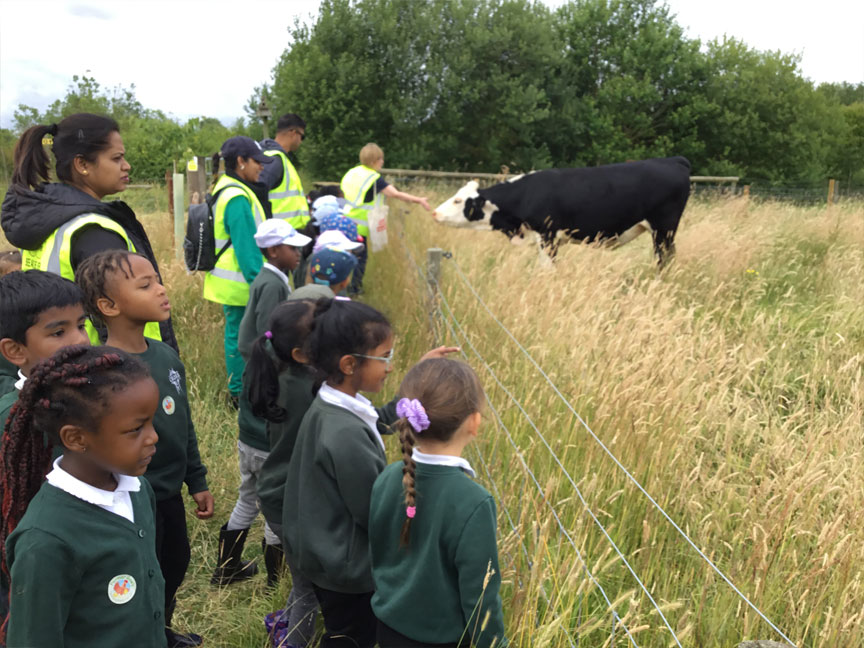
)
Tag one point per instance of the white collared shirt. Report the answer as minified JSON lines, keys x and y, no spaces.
{"x":117,"y":501}
{"x":19,"y":384}
{"x":278,"y":273}
{"x":359,"y":405}
{"x":442,"y":460}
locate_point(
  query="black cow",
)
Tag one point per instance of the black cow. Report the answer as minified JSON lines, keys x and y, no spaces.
{"x":612,"y":203}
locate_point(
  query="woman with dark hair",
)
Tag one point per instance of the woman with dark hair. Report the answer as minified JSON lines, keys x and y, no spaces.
{"x":241,"y":206}
{"x":59,"y":224}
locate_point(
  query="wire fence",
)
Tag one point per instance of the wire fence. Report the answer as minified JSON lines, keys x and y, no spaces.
{"x":444,"y":321}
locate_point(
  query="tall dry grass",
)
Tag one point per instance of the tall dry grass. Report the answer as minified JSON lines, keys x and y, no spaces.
{"x":730,"y":386}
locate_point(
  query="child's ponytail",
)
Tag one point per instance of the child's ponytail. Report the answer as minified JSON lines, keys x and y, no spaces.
{"x":273,"y":351}
{"x":438,"y":395}
{"x":406,"y":436}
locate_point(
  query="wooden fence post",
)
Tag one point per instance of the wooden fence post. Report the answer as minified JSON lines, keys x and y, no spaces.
{"x":179,"y":204}
{"x":830,"y":192}
{"x":745,"y":191}
{"x":433,"y":268}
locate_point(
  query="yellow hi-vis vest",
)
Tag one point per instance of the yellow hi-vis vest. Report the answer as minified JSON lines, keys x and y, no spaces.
{"x":355,"y":185}
{"x":287,"y":200}
{"x":55,"y":256}
{"x":225,"y":283}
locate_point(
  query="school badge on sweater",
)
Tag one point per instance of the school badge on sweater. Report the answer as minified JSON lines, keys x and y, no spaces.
{"x":121,"y":589}
{"x":168,"y":405}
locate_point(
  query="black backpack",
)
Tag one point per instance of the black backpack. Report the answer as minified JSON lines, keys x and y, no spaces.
{"x":199,"y":244}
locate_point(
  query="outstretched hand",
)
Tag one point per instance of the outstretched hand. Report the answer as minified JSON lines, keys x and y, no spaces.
{"x":205,"y":503}
{"x":424,"y":202}
{"x":440,"y":352}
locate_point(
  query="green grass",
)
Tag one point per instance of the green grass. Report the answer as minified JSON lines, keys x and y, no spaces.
{"x":730,"y":386}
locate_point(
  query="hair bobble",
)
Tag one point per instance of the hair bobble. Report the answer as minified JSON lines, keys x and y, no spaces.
{"x":413,"y":410}
{"x":268,"y":335}
{"x":411,"y":511}
{"x":52,"y":129}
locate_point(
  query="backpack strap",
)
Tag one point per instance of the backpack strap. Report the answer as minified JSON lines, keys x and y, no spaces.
{"x":211,"y":200}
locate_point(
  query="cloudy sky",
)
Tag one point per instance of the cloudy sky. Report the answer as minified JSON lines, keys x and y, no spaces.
{"x":193,"y":57}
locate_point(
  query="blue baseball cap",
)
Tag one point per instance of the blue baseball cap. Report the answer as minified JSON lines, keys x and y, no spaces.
{"x":246,"y":147}
{"x":329,"y":266}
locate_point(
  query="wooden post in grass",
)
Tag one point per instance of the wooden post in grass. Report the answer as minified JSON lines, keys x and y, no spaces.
{"x":433,"y":268}
{"x":831,"y":186}
{"x":179,"y":204}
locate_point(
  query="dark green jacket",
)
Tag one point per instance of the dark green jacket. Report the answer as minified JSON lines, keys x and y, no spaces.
{"x":64,"y":556}
{"x":433,"y":590}
{"x":177,"y":459}
{"x":325,"y":514}
{"x":295,"y":395}
{"x":265,"y":294}
{"x":8,"y":376}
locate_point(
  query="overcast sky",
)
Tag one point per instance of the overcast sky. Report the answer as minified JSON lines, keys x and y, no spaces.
{"x":204,"y":57}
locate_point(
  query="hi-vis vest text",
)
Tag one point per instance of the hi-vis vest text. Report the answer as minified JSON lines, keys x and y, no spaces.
{"x":355,"y":185}
{"x":55,"y":256}
{"x":288,"y":200}
{"x":225,"y":284}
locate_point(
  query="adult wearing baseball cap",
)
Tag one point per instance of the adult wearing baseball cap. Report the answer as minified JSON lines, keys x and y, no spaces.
{"x":237,"y":213}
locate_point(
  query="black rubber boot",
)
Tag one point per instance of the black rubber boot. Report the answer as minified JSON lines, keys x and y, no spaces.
{"x":230,"y":568}
{"x":274,"y":561}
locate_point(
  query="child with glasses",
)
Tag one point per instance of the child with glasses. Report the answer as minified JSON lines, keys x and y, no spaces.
{"x":337,"y":456}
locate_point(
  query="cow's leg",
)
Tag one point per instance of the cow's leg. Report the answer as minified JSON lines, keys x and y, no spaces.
{"x":664,"y":246}
{"x":547,"y":244}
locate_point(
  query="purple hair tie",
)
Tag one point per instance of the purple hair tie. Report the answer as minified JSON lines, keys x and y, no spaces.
{"x":268,"y":335}
{"x":412,"y":410}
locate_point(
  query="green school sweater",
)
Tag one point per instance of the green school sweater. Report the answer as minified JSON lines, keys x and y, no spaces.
{"x":177,"y":459}
{"x":65,"y":558}
{"x":265,"y":294}
{"x":325,"y":513}
{"x":432,"y":590}
{"x":8,"y":376}
{"x":295,"y":395}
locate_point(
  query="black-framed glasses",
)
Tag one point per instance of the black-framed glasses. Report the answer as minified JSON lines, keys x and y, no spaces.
{"x":302,"y":135}
{"x":388,"y":359}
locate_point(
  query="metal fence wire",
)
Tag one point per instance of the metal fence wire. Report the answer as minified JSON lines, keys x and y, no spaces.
{"x":444,"y":321}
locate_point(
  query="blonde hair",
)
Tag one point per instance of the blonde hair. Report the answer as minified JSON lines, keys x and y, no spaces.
{"x":370,"y":154}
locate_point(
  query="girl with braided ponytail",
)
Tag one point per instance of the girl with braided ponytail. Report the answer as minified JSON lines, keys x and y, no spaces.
{"x":82,"y":558}
{"x":432,"y":527}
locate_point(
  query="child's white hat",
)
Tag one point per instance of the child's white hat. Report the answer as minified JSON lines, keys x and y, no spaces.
{"x":275,"y":231}
{"x":336,"y":240}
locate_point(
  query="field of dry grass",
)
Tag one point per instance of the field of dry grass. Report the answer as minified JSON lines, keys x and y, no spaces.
{"x":730,"y":386}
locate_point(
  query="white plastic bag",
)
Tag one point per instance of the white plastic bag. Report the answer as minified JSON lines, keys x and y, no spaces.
{"x":378,"y":228}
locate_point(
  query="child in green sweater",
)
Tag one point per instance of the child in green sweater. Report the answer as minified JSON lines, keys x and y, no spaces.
{"x":432,"y":527}
{"x":281,"y":246}
{"x":82,"y":559}
{"x":280,"y":390}
{"x":123,"y":290}
{"x":338,"y":455}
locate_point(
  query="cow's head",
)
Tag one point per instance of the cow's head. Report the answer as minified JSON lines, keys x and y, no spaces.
{"x":466,"y":208}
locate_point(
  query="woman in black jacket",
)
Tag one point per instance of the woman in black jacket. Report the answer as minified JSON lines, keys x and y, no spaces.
{"x":57,"y":225}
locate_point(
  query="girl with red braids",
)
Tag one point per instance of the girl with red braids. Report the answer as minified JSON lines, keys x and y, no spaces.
{"x":82,"y":558}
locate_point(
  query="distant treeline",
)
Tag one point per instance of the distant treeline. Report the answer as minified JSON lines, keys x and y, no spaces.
{"x":477,"y":84}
